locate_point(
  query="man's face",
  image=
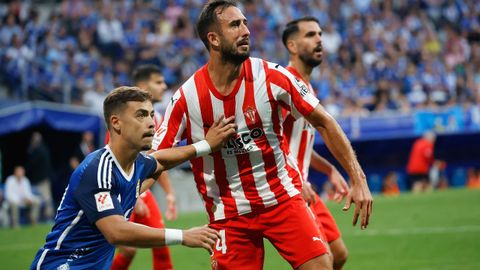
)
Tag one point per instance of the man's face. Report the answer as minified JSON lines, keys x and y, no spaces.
{"x":234,"y":35}
{"x":156,"y":85}
{"x":309,"y":43}
{"x":136,"y":124}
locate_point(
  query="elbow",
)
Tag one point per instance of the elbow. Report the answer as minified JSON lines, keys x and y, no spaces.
{"x":113,"y":238}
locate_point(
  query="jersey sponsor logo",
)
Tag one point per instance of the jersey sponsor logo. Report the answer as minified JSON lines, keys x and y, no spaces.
{"x":243,"y":142}
{"x":303,"y":88}
{"x":103,"y":201}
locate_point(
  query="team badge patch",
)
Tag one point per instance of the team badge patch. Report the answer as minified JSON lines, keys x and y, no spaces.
{"x":103,"y":201}
{"x":250,"y":114}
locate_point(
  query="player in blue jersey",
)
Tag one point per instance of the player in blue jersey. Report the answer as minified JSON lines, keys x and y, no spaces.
{"x":102,"y":191}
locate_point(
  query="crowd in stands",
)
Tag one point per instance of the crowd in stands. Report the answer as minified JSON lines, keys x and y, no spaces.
{"x":387,"y":56}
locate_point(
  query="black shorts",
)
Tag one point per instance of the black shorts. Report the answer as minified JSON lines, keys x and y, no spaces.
{"x":413,"y":178}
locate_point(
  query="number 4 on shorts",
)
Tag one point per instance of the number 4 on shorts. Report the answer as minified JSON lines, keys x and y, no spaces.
{"x":221,"y":243}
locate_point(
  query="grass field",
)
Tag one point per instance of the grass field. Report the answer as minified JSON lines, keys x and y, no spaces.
{"x":440,"y":230}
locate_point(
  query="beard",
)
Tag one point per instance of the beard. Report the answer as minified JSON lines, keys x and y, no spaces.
{"x":231,"y":54}
{"x":309,"y":60}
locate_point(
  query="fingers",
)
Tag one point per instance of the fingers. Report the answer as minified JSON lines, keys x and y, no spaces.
{"x":356,"y":213}
{"x":348,"y":203}
{"x":218,"y":121}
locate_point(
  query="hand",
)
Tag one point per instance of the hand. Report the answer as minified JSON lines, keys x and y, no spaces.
{"x":204,"y":237}
{"x":141,"y":209}
{"x":220,"y":132}
{"x":308,"y":193}
{"x":171,"y":213}
{"x":341,"y":186}
{"x":361,"y":197}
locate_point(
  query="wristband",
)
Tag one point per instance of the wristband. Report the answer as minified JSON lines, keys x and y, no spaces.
{"x":202,"y":148}
{"x":173,"y":237}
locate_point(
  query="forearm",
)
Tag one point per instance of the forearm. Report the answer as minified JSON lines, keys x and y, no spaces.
{"x":340,"y":147}
{"x":320,"y":164}
{"x":169,"y":158}
{"x":137,"y":235}
{"x":164,"y":182}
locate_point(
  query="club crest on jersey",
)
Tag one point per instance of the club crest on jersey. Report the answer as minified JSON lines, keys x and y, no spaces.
{"x":250,"y":114}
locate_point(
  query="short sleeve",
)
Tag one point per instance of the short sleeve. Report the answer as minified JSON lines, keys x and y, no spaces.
{"x":291,"y":92}
{"x":94,"y":193}
{"x":150,"y":166}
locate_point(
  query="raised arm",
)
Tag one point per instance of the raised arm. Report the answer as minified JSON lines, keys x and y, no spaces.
{"x":340,"y":147}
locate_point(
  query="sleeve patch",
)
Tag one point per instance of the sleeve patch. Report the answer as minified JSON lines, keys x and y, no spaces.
{"x":104,"y":201}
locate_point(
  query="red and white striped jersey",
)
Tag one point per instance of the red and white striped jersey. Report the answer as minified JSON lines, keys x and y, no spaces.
{"x":299,"y":134}
{"x":254,"y":169}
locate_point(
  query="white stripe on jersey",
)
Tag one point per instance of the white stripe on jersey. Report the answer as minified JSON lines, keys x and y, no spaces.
{"x":40,"y":261}
{"x":100,"y":168}
{"x":198,"y":134}
{"x":109,"y":173}
{"x":67,"y":230}
{"x":230,"y":161}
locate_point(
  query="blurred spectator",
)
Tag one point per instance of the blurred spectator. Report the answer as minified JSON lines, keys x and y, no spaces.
{"x":420,"y":161}
{"x":39,"y":170}
{"x":473,"y":181}
{"x":390,"y":185}
{"x":86,"y":146}
{"x":18,"y":194}
{"x":388,"y":57}
{"x":60,"y":182}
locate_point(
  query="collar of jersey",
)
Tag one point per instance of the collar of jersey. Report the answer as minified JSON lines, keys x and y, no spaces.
{"x":214,"y":90}
{"x":124,"y":174}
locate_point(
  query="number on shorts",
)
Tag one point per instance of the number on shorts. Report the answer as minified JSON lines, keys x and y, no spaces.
{"x":221,"y":243}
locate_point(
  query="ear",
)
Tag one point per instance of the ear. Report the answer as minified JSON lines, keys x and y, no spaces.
{"x":292,"y":46}
{"x":142,"y":85}
{"x":115,"y":123}
{"x":214,"y":39}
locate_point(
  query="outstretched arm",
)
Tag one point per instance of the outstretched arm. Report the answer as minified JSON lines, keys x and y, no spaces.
{"x":340,"y":147}
{"x":118,"y":231}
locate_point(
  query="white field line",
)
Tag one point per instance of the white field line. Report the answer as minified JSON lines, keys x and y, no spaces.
{"x":416,"y":231}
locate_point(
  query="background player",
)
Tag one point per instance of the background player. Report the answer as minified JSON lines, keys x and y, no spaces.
{"x":147,"y":212}
{"x":248,"y":188}
{"x":302,"y":38}
{"x":102,"y":191}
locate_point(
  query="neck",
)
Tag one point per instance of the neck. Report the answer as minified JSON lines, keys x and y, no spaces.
{"x":304,"y":70}
{"x":224,"y":75}
{"x":124,"y":155}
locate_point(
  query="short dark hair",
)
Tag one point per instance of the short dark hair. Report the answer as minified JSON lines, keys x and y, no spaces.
{"x":142,"y":73}
{"x":118,"y":98}
{"x":208,"y":17}
{"x":292,"y":28}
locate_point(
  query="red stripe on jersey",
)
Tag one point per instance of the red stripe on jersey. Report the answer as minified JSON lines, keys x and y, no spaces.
{"x":292,"y":173}
{"x":205,"y":102}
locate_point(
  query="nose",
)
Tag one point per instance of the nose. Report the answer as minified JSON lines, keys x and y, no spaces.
{"x":245,"y":32}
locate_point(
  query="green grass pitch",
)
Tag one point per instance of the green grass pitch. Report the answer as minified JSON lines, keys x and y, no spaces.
{"x":439,"y":230}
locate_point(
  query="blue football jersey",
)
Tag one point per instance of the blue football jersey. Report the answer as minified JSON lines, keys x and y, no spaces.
{"x":97,"y":188}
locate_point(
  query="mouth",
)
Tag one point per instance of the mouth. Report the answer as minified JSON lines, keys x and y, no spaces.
{"x":318,"y":49}
{"x":148,"y":134}
{"x":244,"y":42}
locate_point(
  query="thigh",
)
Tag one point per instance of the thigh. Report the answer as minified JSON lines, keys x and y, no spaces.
{"x":237,"y":248}
{"x":324,"y":217}
{"x":292,"y":230}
